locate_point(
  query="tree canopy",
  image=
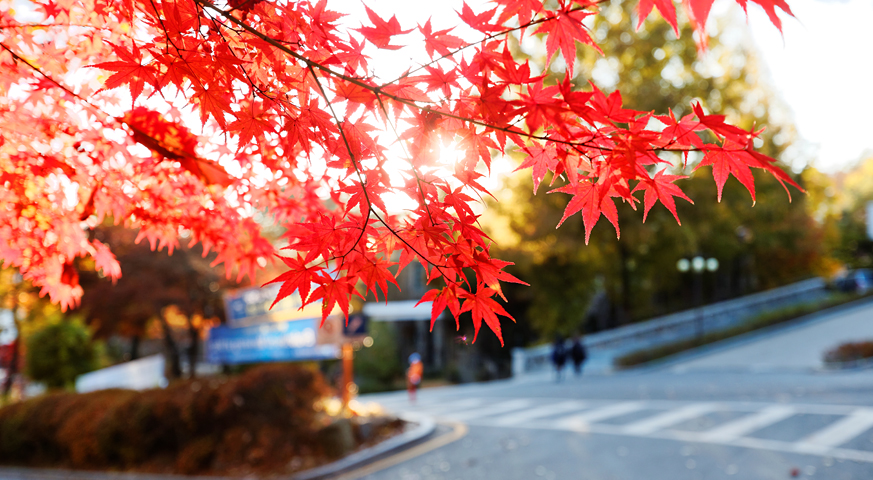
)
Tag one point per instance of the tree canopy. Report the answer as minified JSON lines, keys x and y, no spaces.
{"x":60,"y":352}
{"x":212,"y":119}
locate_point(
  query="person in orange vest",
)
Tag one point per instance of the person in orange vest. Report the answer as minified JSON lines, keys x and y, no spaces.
{"x":413,"y":375}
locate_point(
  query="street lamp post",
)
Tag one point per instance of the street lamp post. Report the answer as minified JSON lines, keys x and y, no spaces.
{"x":698,"y":265}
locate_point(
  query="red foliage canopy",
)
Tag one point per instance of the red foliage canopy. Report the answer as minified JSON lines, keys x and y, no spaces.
{"x":100,"y":101}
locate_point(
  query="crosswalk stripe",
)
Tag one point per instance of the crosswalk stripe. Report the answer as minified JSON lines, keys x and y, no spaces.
{"x":539,"y":412}
{"x":839,"y":432}
{"x":584,"y":415}
{"x":667,"y":419}
{"x":748,"y":424}
{"x":581,"y":421}
{"x":456,"y":405}
{"x":493,"y":409}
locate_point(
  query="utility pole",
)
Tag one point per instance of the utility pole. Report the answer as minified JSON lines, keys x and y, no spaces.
{"x":348,"y":359}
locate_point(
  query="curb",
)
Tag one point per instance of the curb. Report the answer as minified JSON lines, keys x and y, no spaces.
{"x":859,"y":364}
{"x":425,"y":428}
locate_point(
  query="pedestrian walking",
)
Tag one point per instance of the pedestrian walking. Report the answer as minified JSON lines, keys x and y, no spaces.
{"x":559,"y":356}
{"x":578,"y":354}
{"x":413,"y":375}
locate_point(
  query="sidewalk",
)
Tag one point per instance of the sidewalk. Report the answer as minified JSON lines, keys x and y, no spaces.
{"x":799,"y":347}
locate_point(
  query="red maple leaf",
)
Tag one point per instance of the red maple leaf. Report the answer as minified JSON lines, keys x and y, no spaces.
{"x":104,"y":260}
{"x":540,"y":106}
{"x":667,"y":9}
{"x":525,"y":9}
{"x":438,"y":79}
{"x":514,"y":73}
{"x":446,"y":297}
{"x":439,"y":41}
{"x":564,"y":30}
{"x":484,"y":308}
{"x":381,"y":32}
{"x":489,"y":272}
{"x":660,"y":187}
{"x":769,"y":6}
{"x":128,"y":70}
{"x":699,"y":10}
{"x":252,"y":122}
{"x":374,"y":273}
{"x":540,"y":160}
{"x":481,"y":22}
{"x":298,"y":279}
{"x":212,"y":102}
{"x":332,"y":292}
{"x":717,"y":124}
{"x":593,"y":200}
{"x":724,"y":163}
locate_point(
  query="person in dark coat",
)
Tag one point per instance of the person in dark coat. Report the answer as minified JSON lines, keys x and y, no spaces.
{"x":578,"y":354}
{"x":559,"y":356}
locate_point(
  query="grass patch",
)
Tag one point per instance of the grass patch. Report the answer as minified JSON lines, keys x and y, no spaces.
{"x":762,"y":320}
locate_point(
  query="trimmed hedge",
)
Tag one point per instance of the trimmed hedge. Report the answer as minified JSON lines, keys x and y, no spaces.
{"x":265,"y":420}
{"x":849,"y":352}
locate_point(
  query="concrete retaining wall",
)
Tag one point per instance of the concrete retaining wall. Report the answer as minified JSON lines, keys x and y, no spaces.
{"x":605,"y":346}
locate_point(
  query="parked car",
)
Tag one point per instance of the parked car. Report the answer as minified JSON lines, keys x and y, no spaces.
{"x":859,"y":281}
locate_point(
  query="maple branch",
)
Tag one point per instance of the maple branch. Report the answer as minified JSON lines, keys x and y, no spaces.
{"x":351,"y":157}
{"x":403,"y":146}
{"x":56,"y":83}
{"x":370,"y":210}
{"x":164,"y":28}
{"x":170,"y":41}
{"x":488,"y":37}
{"x":243,"y":68}
{"x":378,"y":89}
{"x":97,"y":110}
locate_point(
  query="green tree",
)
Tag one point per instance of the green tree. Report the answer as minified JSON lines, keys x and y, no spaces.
{"x":59,"y":352}
{"x":29,"y":311}
{"x":841,"y":201}
{"x":378,"y":367}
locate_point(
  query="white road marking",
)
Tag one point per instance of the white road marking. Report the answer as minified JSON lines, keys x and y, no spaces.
{"x":667,"y":419}
{"x":583,"y":421}
{"x":790,"y":447}
{"x":493,"y":409}
{"x":838,"y":432}
{"x":452,"y":406}
{"x":539,"y":412}
{"x":748,"y":424}
{"x":529,"y":413}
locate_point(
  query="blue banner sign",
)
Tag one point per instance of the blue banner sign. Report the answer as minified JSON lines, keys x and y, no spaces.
{"x":269,"y":342}
{"x":251,"y":306}
{"x":357,"y":326}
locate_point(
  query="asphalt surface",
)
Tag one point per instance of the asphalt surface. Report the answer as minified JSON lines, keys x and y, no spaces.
{"x":758,"y":416}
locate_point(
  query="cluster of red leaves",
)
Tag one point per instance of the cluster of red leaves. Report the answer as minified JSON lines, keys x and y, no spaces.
{"x":286,"y":102}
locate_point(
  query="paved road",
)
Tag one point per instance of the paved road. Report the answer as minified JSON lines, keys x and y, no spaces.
{"x":669,"y":424}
